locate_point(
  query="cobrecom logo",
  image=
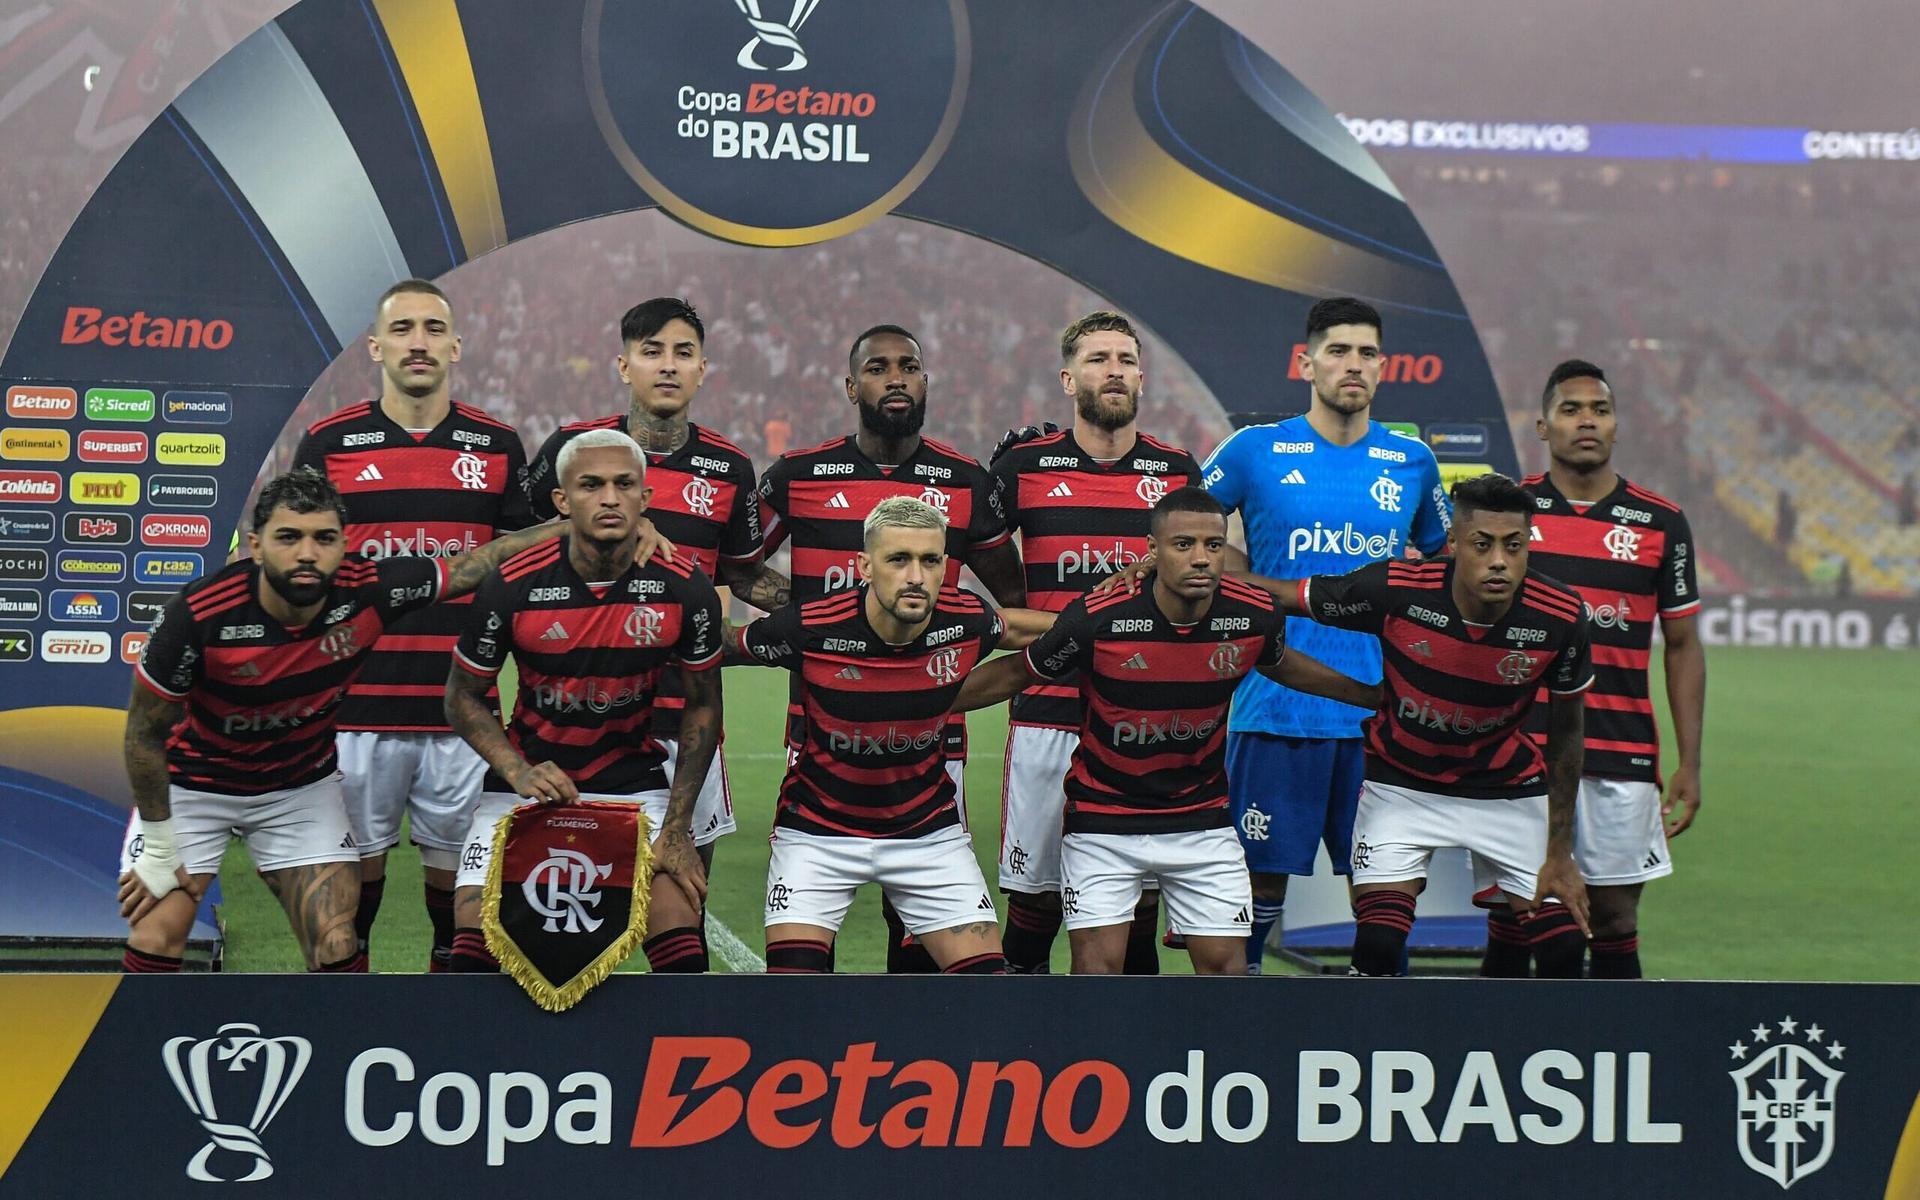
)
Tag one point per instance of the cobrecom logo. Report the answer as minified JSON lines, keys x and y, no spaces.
{"x":275,"y":1066}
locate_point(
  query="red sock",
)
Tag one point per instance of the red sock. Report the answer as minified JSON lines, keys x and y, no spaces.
{"x":354,"y":964}
{"x":470,"y":954}
{"x":676,"y":952}
{"x":139,"y":962}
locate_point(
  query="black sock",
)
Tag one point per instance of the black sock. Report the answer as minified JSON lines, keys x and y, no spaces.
{"x":799,"y":956}
{"x":904,"y":957}
{"x":470,"y":954}
{"x":1143,"y":937}
{"x":980,"y":964}
{"x":370,"y":892}
{"x":440,"y":913}
{"x":676,"y":952}
{"x":1617,"y":957}
{"x":1033,"y":921}
{"x":139,"y":962}
{"x":1559,"y":948}
{"x":353,"y":964}
{"x":1508,"y":956}
{"x":1382,"y":922}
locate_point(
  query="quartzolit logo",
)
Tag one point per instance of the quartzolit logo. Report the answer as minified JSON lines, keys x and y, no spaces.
{"x":274,"y":1065}
{"x":773,"y":124}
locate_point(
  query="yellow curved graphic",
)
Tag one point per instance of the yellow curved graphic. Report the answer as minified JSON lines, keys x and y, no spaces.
{"x":74,"y":744}
{"x":1903,"y":1182}
{"x":44,"y":1022}
{"x":1152,"y":195}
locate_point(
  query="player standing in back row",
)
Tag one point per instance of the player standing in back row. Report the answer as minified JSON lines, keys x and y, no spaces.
{"x":1082,"y":501}
{"x":424,"y":477}
{"x":1319,"y":494}
{"x":1630,"y":555}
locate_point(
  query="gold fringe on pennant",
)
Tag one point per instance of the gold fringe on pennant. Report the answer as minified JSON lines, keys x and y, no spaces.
{"x":514,"y":961}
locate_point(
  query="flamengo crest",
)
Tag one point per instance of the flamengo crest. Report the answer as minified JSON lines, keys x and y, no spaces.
{"x":1786,"y":1108}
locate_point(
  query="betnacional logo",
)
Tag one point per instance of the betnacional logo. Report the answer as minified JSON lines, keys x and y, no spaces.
{"x":197,"y":408}
{"x":75,"y":646}
{"x":182,"y":491}
{"x":1458,"y":441}
{"x":263,"y":1070}
{"x":190,"y":449}
{"x":167,"y":568}
{"x":100,"y":488}
{"x":85,"y":326}
{"x":35,"y":445}
{"x":1394,"y":368}
{"x":30,"y":525}
{"x":773,"y":125}
{"x":66,"y":605}
{"x":97,"y":529}
{"x":119,"y":404}
{"x":35,"y":487}
{"x":170,"y":529}
{"x":29,"y":403}
{"x":88,"y":566}
{"x":112,"y":446}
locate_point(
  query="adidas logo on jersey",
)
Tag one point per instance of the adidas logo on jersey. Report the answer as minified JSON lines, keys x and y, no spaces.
{"x":839,"y":501}
{"x":1060,"y":489}
{"x":369,"y":474}
{"x":1293,"y":476}
{"x":556,"y":632}
{"x":247,"y":670}
{"x":1137,"y":663}
{"x":849,"y":673}
{"x":1422,"y":649}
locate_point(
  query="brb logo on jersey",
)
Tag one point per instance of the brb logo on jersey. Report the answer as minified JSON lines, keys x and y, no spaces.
{"x":773,"y":126}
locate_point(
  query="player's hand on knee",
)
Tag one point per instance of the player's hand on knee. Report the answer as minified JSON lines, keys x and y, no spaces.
{"x":652,"y":542}
{"x":546,"y":783}
{"x":1560,"y":880}
{"x":1129,"y":578}
{"x":675,"y":856}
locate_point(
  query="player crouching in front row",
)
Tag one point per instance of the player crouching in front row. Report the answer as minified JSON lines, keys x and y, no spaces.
{"x":1146,"y":791}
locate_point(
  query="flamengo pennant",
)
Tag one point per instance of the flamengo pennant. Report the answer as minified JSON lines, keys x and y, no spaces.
{"x":566,"y":895}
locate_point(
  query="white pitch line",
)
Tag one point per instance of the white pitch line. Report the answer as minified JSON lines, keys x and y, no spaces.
{"x":736,"y":954}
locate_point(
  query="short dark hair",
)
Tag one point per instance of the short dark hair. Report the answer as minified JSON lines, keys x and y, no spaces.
{"x":1099,"y":321}
{"x":303,"y":490}
{"x":649,"y":317}
{"x":1573,"y":368}
{"x":1493,"y":493}
{"x":875,"y":331}
{"x":1182,"y":500}
{"x":425,"y":287}
{"x":1341,"y":310}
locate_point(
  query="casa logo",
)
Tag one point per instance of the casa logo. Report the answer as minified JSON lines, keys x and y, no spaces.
{"x":119,"y":404}
{"x":234,"y":1083}
{"x":144,"y":608}
{"x":1786,"y":1097}
{"x":75,"y":646}
{"x":1457,"y":441}
{"x":133,"y":645}
{"x":83,"y":606}
{"x":35,"y":445}
{"x":25,"y":525}
{"x":167,"y":568}
{"x":25,"y":565}
{"x":112,"y":446}
{"x":169,"y":529}
{"x":85,"y":326}
{"x":29,"y":403}
{"x":100,"y":488}
{"x":16,"y":645}
{"x":19,"y":604}
{"x":1394,"y":368}
{"x":197,"y":408}
{"x":182,"y":491}
{"x":40,"y":487}
{"x":80,"y":566}
{"x":190,"y":449}
{"x":773,"y":126}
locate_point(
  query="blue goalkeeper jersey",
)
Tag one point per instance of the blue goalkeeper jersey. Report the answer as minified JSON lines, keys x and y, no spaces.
{"x":1312,"y":508}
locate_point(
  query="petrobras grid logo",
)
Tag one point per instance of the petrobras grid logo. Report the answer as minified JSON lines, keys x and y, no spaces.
{"x":1786,"y":1092}
{"x":75,"y":646}
{"x":273,"y":1067}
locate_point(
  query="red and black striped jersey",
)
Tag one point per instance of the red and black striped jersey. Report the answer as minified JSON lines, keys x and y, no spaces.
{"x":1630,"y":556}
{"x":870,"y":761}
{"x":263,"y":701}
{"x":590,"y":654}
{"x":429,"y":495}
{"x":705,"y":502}
{"x":1080,"y":521}
{"x":1153,"y":741}
{"x":1455,"y":696}
{"x":818,"y":499}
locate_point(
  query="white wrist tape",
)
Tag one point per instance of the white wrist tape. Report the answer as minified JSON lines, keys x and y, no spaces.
{"x":157,"y":861}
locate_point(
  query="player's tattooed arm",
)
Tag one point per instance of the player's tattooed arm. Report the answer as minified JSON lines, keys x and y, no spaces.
{"x":700,"y":723}
{"x":150,"y":721}
{"x":1000,"y":570}
{"x":993,"y":682}
{"x":1304,"y":673}
{"x":466,"y":572}
{"x":758,"y":584}
{"x":472,"y":718}
{"x":1566,"y":750}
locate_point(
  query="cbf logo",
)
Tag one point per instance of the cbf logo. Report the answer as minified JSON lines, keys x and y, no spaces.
{"x":260,"y":1073}
{"x":644,"y":625}
{"x":1151,"y":489}
{"x":1386,"y":493}
{"x":1785,"y":1099}
{"x":944,"y":667}
{"x":1623,"y":543}
{"x":1516,"y":668}
{"x":699,"y":495}
{"x":471,"y":470}
{"x":775,"y":34}
{"x":560,"y":889}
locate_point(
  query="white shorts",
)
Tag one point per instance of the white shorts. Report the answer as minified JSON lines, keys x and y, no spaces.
{"x":1201,"y":873}
{"x":1618,"y":837}
{"x":934,"y":881}
{"x":1396,"y":831}
{"x":435,"y":777}
{"x":493,"y":806}
{"x":713,"y":809}
{"x":1032,"y":798}
{"x":298,"y":827}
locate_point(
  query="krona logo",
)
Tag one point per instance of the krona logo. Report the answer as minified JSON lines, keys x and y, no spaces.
{"x":85,"y":325}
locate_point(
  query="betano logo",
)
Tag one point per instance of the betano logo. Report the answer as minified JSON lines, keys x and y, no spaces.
{"x":1394,"y":368}
{"x":191,"y":449}
{"x":87,"y":325}
{"x":42,"y":403}
{"x":36,"y":445}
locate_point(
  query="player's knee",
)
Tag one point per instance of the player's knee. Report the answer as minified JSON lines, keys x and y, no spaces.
{"x":798,"y":956}
{"x":335,"y":944}
{"x":1268,"y":887}
{"x":1615,"y":912}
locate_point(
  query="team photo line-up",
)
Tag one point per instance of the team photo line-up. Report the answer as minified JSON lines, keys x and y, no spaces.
{"x":1385,"y":668}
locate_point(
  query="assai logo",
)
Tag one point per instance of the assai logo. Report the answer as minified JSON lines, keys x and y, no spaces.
{"x":16,"y":645}
{"x":191,"y":449}
{"x":91,"y":566}
{"x":22,"y":564}
{"x":34,"y":487}
{"x":170,"y":529}
{"x":772,"y":126}
{"x":19,"y":604}
{"x":182,"y":491}
{"x":104,"y":488}
{"x":265,"y":1070}
{"x":84,"y":606}
{"x":75,"y":646}
{"x":113,"y":446}
{"x":25,"y":525}
{"x":30,"y":403}
{"x":87,"y":325}
{"x":1786,"y":1097}
{"x":197,"y":408}
{"x":119,"y":404}
{"x":35,"y":445}
{"x":167,"y":568}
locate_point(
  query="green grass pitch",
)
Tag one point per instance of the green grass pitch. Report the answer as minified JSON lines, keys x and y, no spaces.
{"x":1801,"y":866}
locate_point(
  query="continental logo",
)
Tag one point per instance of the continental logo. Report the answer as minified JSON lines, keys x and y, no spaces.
{"x":112,"y":446}
{"x":191,"y":449}
{"x":102,"y":488}
{"x":1395,"y":368}
{"x":42,"y":403}
{"x":35,"y":445}
{"x":86,"y":326}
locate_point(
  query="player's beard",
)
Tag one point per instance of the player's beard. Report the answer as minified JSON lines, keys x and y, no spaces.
{"x":1107,"y":414}
{"x":893,"y":609}
{"x":1343,"y":401}
{"x":299,"y":594}
{"x":877,"y":420}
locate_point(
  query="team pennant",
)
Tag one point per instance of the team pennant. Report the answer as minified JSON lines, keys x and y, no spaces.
{"x":566,"y":895}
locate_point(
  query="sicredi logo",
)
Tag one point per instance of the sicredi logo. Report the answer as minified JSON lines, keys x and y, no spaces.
{"x":191,"y":449}
{"x":167,"y":568}
{"x":19,"y":604}
{"x":39,"y":487}
{"x":23,"y":564}
{"x":97,"y":529}
{"x":92,"y":487}
{"x":182,"y":491}
{"x":87,"y":325}
{"x":65,"y":605}
{"x":90,"y":566}
{"x":25,"y":525}
{"x":1394,"y":368}
{"x":30,"y":403}
{"x":167,"y":529}
{"x":75,"y":646}
{"x":112,"y":446}
{"x":119,"y":404}
{"x":35,"y":445}
{"x":197,"y":408}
